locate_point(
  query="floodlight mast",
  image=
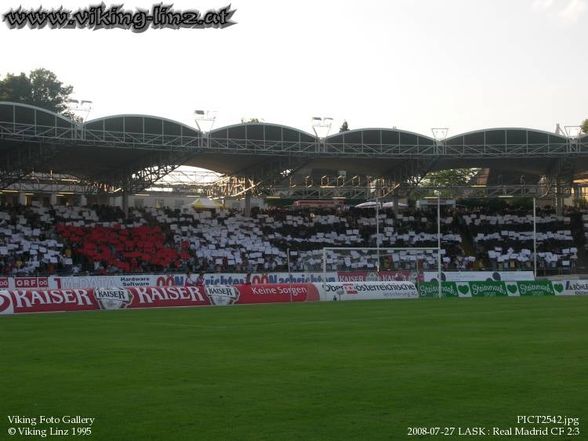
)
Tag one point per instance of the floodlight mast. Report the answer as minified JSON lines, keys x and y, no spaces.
{"x":321,"y":125}
{"x":439,"y":134}
{"x":573,"y":132}
{"x":80,"y":108}
{"x":204,"y":120}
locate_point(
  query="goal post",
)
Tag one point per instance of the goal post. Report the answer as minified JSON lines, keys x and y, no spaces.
{"x":381,"y":263}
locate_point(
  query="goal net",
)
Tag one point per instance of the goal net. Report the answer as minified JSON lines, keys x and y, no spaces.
{"x":373,"y":264}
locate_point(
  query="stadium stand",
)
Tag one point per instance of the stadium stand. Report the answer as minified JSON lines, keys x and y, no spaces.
{"x":27,"y":243}
{"x":504,"y":240}
{"x":37,"y":240}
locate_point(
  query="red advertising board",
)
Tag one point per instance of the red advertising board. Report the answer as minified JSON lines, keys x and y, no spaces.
{"x":18,"y":301}
{"x":277,"y":293}
{"x":149,"y":297}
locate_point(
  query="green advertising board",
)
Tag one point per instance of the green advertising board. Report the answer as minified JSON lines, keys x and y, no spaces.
{"x":431,"y":289}
{"x":491,"y":288}
{"x":531,"y":288}
{"x":488,"y":289}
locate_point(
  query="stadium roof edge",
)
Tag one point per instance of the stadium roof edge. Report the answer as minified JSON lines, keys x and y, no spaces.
{"x":491,"y":129}
{"x":386,"y":129}
{"x":583,"y":138}
{"x":263,"y":123}
{"x":139,"y":115}
{"x":30,"y":106}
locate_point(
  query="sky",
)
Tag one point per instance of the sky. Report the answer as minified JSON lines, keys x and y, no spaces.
{"x":411,"y":64}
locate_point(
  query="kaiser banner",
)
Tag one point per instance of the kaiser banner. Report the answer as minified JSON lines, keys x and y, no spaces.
{"x":16,"y":301}
{"x":154,"y":296}
{"x":55,"y":300}
{"x":113,"y":298}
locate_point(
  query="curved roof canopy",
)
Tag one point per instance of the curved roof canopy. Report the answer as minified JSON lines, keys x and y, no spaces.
{"x":505,"y":137}
{"x":132,"y":125}
{"x":137,"y":128}
{"x":380,"y":136}
{"x":26,"y":114}
{"x":130,"y":143}
{"x":262,"y":132}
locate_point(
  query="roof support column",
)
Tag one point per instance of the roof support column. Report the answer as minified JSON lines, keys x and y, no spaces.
{"x":577,"y":195}
{"x":395,"y":204}
{"x":126,"y":190}
{"x":559,"y":197}
{"x":247,"y":211}
{"x":125,"y":202}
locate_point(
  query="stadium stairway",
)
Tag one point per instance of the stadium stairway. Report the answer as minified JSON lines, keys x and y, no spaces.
{"x":467,"y":241}
{"x":579,"y":234}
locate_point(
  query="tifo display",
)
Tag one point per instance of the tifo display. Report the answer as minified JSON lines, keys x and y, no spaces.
{"x":92,"y":258}
{"x":100,"y":240}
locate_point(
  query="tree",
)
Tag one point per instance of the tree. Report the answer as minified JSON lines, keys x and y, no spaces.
{"x":449,"y":178}
{"x":585,"y":126}
{"x":344,"y":127}
{"x":251,"y":120}
{"x":459,"y":177}
{"x":41,"y":88}
{"x":16,"y":88}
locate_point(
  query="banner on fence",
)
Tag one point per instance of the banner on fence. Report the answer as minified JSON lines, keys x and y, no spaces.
{"x":277,"y":293}
{"x":264,"y":278}
{"x":15,"y":301}
{"x":570,"y":287}
{"x":372,"y":276}
{"x":480,"y":276}
{"x":366,"y":290}
{"x":494,"y":289}
{"x":431,"y":289}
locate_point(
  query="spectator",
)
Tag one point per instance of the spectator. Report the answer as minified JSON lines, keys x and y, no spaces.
{"x":201,"y":281}
{"x":190,"y":279}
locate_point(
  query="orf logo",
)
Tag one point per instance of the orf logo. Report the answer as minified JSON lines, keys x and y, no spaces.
{"x":113,"y":298}
{"x":6,"y":306}
{"x":222,"y":295}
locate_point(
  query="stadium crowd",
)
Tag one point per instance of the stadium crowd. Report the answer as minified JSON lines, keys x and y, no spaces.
{"x":505,"y":240}
{"x":36,"y":240}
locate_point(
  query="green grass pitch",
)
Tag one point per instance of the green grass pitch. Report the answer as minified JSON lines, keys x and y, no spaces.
{"x":317,"y":371}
